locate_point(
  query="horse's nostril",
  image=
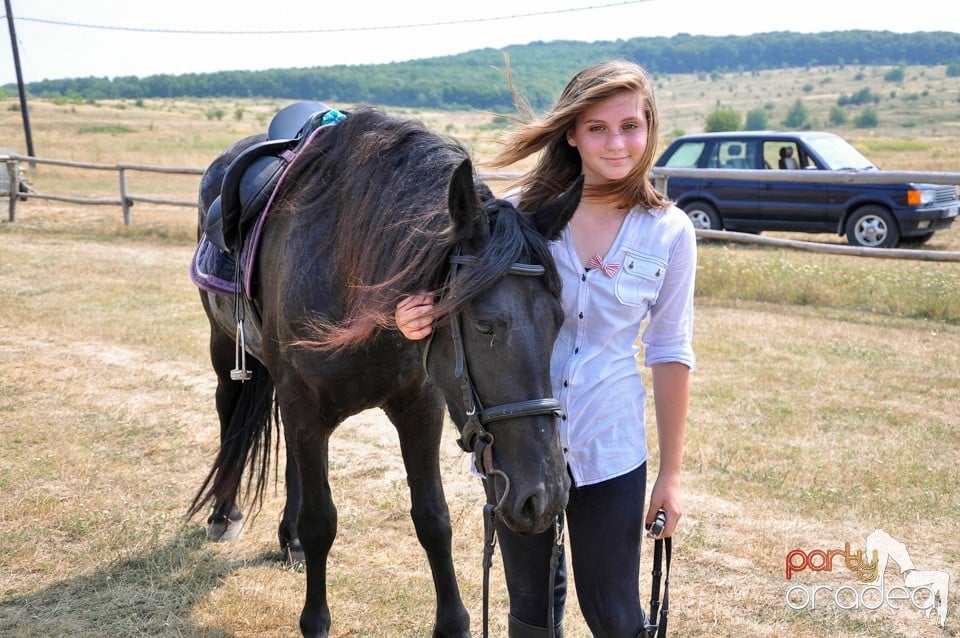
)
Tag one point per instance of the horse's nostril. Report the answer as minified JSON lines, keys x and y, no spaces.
{"x":532,"y":508}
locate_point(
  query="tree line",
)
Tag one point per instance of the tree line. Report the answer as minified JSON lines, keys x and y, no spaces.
{"x":477,"y":79}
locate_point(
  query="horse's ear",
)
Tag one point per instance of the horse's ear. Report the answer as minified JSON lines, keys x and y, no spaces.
{"x":464,"y":204}
{"x":554,"y":215}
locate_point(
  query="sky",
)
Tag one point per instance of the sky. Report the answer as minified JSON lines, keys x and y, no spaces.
{"x":110,"y":38}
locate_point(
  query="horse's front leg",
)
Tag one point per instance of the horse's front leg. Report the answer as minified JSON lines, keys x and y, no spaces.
{"x":308,"y":445}
{"x":419,"y":423}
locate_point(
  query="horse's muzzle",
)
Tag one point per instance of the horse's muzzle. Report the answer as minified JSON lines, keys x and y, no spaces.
{"x":527,"y":507}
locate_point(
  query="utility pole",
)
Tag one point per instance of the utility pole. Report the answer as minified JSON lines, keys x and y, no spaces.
{"x":23,"y":94}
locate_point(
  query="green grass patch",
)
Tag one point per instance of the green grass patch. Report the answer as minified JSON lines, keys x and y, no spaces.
{"x":918,"y":290}
{"x":896,"y":145}
{"x":107,"y":128}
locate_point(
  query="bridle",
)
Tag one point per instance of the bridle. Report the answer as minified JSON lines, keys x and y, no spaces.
{"x":475,"y":438}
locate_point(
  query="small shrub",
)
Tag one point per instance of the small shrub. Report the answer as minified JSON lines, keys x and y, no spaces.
{"x":797,"y":116}
{"x":867,"y":118}
{"x":756,"y":120}
{"x":722,"y":119}
{"x":837,"y":115}
{"x":894,"y":75}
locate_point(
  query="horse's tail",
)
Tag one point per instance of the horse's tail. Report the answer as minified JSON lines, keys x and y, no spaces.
{"x":245,"y":449}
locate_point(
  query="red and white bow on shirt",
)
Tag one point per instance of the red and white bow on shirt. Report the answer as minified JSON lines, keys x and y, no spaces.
{"x":608,"y":269}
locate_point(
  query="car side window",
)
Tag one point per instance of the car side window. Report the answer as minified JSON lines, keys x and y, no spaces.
{"x":686,"y":156}
{"x":732,"y":154}
{"x":771,"y":153}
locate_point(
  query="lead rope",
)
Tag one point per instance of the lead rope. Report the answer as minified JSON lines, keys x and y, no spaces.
{"x":657,"y":627}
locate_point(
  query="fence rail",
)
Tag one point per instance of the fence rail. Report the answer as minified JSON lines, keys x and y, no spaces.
{"x":126,"y":199}
{"x":660,"y":177}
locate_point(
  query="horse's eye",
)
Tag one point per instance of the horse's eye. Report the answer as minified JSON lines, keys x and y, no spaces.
{"x":484,"y":327}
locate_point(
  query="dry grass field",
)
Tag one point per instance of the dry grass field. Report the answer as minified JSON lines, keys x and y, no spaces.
{"x":816,"y":418}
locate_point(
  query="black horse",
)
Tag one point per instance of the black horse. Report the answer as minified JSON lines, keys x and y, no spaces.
{"x":372,"y":209}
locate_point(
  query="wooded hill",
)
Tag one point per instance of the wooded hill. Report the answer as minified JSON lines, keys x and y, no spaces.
{"x":476,"y":79}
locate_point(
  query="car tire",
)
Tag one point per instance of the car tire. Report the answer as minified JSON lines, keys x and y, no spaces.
{"x":872,"y":227}
{"x":703,"y":215}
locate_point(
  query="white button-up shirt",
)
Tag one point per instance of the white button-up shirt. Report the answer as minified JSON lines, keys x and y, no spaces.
{"x":595,"y":358}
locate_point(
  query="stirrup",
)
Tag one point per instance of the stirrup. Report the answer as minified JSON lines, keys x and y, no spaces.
{"x":240,"y":371}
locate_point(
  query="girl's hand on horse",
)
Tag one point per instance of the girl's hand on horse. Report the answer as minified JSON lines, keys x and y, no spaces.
{"x":413,"y":316}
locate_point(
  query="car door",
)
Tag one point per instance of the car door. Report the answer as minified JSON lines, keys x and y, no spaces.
{"x":787,"y":205}
{"x":736,"y":197}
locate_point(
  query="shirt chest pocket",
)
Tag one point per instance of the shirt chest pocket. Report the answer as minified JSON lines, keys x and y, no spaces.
{"x":639,"y":279}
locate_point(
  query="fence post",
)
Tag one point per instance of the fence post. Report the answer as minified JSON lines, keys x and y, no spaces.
{"x":124,"y":202}
{"x":14,"y":183}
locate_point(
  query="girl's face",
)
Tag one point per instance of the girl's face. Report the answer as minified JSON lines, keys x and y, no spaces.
{"x":611,"y":138}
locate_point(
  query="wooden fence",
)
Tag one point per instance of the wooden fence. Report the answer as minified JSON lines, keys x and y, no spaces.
{"x":10,"y":182}
{"x":126,"y":199}
{"x":660,"y":177}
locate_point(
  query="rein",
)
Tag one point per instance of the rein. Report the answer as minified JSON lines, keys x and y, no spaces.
{"x":656,"y":626}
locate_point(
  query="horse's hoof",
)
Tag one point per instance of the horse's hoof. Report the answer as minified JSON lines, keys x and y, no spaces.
{"x":294,"y":556}
{"x":224,"y":530}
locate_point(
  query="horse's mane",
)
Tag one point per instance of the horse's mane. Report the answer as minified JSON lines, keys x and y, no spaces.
{"x":385,"y":179}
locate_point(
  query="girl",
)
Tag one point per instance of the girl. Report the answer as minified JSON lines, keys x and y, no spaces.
{"x":627,"y":256}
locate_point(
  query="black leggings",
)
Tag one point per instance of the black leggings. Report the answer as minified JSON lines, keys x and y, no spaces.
{"x":604,"y":523}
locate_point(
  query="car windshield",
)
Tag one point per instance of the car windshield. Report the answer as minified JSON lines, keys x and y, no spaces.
{"x":838,"y":155}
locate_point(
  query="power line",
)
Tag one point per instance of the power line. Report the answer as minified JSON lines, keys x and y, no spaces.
{"x":418,"y":25}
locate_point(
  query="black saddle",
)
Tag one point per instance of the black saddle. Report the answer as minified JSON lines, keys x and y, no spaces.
{"x":250,"y":178}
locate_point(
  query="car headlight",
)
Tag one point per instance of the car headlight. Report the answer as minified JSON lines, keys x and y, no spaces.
{"x":921,"y":197}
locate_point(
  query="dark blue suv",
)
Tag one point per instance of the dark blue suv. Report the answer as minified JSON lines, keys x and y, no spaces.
{"x":878,"y":215}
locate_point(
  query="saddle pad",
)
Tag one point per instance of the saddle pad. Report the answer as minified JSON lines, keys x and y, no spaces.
{"x":212,"y":269}
{"x":215,"y":271}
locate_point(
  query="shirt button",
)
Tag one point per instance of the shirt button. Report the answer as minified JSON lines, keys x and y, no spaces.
{"x":564,"y":417}
{"x":565,"y":384}
{"x":583,"y":277}
{"x":576,"y":351}
{"x":581,"y":315}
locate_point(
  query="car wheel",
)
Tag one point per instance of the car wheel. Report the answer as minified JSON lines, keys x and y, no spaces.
{"x":872,"y":227}
{"x":703,"y":215}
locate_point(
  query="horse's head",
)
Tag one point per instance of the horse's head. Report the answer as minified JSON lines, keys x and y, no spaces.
{"x":498,"y":342}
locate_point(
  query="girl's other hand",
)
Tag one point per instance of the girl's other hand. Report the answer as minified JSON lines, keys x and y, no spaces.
{"x":413,"y":316}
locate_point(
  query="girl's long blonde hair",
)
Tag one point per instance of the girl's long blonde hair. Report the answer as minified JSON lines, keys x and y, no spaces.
{"x":559,"y":164}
